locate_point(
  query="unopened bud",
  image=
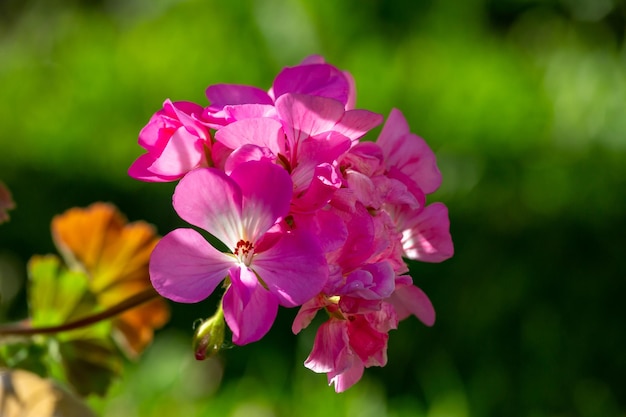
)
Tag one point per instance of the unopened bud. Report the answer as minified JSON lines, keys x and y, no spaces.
{"x":209,"y":336}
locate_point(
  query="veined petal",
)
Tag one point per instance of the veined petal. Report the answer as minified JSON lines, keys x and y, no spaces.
{"x":185,"y":268}
{"x":330,"y":340}
{"x":426,"y":236}
{"x":306,"y":116}
{"x":294,"y":269}
{"x":318,"y":79}
{"x":249,"y":309}
{"x":209,"y":199}
{"x":258,"y":131}
{"x":409,"y":153}
{"x":266,"y":190}
{"x":409,"y":299}
{"x":220,"y":95}
{"x":307,"y":313}
{"x":356,"y":123}
{"x":349,"y":376}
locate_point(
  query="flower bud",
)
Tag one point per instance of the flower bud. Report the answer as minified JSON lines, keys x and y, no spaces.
{"x":209,"y":336}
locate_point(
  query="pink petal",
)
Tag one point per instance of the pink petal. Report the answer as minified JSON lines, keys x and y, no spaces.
{"x":220,"y":95}
{"x":315,"y":80}
{"x":209,"y":199}
{"x":163,"y":123}
{"x":261,"y":132}
{"x":266,"y":189}
{"x":366,"y":157}
{"x":321,"y":189}
{"x":249,"y":309}
{"x":426,"y":236}
{"x":356,"y":123}
{"x":349,"y":376}
{"x":305,"y":116}
{"x":370,"y":282}
{"x":307,"y":313}
{"x":247,"y":153}
{"x":183,"y":152}
{"x":395,"y":126}
{"x":313,"y":152}
{"x":351,"y":101}
{"x":331,"y":338}
{"x":409,"y":153}
{"x":140,"y":170}
{"x":294,"y":269}
{"x":367,"y":342}
{"x":364,"y":189}
{"x":185,"y":268}
{"x":409,"y":299}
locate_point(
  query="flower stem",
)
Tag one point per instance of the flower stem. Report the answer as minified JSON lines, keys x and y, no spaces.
{"x":24,"y":329}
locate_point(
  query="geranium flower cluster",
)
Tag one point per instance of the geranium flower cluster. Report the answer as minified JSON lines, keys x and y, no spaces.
{"x":308,"y":213}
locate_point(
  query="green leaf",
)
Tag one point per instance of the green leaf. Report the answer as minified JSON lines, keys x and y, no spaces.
{"x":90,"y":364}
{"x":85,"y":357}
{"x":56,"y":294}
{"x":29,"y":356}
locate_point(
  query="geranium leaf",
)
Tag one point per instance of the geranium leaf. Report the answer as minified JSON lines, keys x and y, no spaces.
{"x":90,"y":364}
{"x":56,"y":295}
{"x":115,"y":256}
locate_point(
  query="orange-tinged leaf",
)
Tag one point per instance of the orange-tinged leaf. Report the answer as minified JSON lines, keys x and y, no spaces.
{"x":115,"y":255}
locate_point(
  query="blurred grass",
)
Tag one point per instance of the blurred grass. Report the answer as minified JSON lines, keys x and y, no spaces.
{"x":523,"y":102}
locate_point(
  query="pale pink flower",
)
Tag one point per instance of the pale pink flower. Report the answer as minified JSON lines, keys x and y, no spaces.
{"x":266,"y":266}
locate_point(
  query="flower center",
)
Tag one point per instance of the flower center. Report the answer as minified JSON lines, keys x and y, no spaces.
{"x":244,"y":251}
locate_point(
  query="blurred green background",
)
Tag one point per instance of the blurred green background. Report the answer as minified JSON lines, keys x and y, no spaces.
{"x":524,"y":103}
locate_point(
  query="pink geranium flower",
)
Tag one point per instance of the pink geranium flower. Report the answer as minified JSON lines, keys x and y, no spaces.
{"x":346,"y":344}
{"x":266,"y":265}
{"x":175,"y":143}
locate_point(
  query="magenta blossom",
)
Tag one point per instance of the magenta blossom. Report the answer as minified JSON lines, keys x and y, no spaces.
{"x":308,"y":214}
{"x":175,"y":143}
{"x":266,"y":265}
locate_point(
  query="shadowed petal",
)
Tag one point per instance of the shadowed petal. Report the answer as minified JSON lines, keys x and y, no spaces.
{"x":409,"y":153}
{"x":317,"y":79}
{"x":427,"y":234}
{"x":409,"y":299}
{"x":185,"y":268}
{"x":330,"y":340}
{"x":220,"y":95}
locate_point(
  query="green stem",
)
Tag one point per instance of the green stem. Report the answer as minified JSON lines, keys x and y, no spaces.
{"x":23,"y":329}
